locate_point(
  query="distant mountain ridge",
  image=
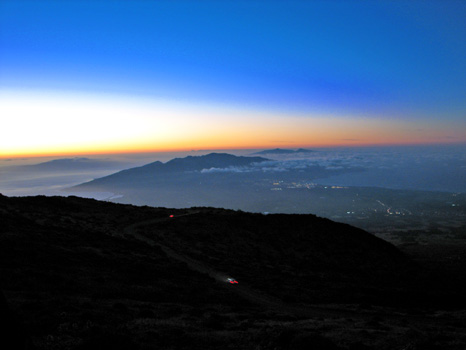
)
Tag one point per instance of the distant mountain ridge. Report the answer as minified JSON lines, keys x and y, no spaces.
{"x":198,"y":163}
{"x":72,"y":164}
{"x":178,"y":166}
{"x":284,"y":151}
{"x":214,"y":180}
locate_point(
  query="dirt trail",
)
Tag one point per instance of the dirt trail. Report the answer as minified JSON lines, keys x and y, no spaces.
{"x":247,"y":293}
{"x":254,"y":296}
{"x":257,"y":297}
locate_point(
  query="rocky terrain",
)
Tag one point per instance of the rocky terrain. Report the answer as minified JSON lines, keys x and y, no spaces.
{"x":83,"y":274}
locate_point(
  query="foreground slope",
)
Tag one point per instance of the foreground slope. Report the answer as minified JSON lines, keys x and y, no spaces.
{"x":84,"y":274}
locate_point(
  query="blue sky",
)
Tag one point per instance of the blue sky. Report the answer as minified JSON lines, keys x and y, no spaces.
{"x":388,"y":60}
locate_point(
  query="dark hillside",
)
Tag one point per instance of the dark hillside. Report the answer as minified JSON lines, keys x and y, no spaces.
{"x":65,"y":273}
{"x":83,"y":274}
{"x":300,"y":258}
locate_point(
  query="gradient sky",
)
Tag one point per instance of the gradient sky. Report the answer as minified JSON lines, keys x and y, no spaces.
{"x":112,"y":76}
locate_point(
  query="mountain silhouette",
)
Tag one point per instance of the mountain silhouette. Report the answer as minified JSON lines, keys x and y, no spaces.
{"x":214,"y":180}
{"x":72,"y":164}
{"x":281,"y":151}
{"x":176,"y":167}
{"x":198,"y":163}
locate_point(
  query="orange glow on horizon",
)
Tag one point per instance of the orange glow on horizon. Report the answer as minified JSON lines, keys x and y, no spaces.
{"x":125,"y":151}
{"x":55,"y":125}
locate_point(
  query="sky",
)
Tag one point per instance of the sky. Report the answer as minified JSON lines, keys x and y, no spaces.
{"x":84,"y":77}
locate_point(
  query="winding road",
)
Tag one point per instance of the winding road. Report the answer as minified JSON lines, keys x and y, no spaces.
{"x":253,"y":296}
{"x":258,"y":298}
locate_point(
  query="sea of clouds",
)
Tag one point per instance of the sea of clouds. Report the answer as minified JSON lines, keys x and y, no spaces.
{"x":434,"y":168}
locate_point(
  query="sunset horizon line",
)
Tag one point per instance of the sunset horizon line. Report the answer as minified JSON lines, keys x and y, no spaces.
{"x":14,"y":156}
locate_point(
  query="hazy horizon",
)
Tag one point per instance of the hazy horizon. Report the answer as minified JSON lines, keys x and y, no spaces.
{"x":109,"y":77}
{"x":377,"y":87}
{"x":442,"y":168}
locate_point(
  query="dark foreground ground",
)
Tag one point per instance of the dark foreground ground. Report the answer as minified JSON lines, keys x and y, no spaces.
{"x":84,"y":274}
